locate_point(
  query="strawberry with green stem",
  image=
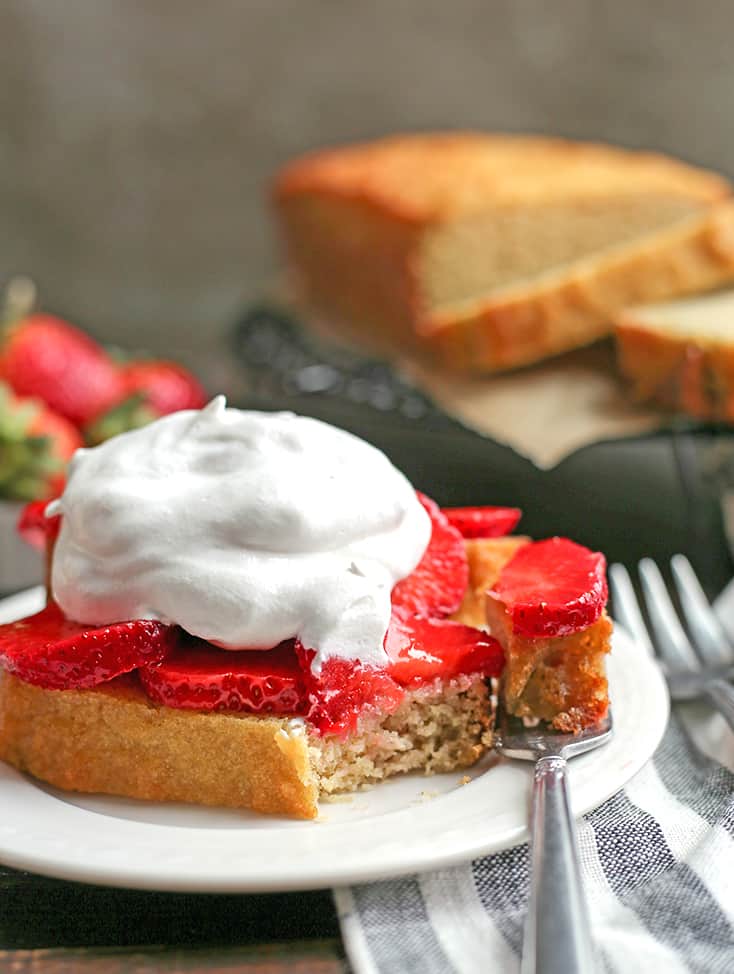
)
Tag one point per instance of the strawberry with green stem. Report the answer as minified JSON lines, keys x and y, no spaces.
{"x":151,"y":389}
{"x":35,"y":446}
{"x":46,"y":358}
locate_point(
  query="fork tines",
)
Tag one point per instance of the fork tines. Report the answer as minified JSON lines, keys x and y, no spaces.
{"x":702,"y":643}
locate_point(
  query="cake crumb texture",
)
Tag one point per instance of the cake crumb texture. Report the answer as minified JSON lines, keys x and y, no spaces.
{"x":113,"y":740}
{"x":437,"y":728}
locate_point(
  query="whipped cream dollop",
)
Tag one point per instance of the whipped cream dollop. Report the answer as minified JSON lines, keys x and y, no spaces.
{"x":244,"y":528}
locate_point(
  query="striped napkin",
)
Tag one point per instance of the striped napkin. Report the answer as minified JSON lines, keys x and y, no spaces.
{"x":657,"y":861}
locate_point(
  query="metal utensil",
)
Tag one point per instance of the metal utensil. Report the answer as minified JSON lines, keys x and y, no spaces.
{"x":557,"y":930}
{"x":698,"y":659}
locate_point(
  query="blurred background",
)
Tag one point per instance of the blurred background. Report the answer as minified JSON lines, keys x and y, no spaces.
{"x":138,"y":136}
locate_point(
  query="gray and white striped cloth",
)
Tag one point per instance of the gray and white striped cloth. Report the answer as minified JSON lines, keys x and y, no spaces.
{"x":657,"y":862}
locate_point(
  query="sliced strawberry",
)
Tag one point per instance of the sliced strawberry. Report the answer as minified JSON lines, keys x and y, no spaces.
{"x":422,"y":649}
{"x":35,"y":528}
{"x":483,"y":522}
{"x":436,"y":587}
{"x":344,"y":689}
{"x":51,"y":651}
{"x":200,"y":677}
{"x":552,"y":588}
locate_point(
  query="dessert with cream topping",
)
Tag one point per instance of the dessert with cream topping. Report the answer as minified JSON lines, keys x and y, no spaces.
{"x":255,"y":609}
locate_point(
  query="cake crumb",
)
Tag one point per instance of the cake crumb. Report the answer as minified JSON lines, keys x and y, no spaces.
{"x":465,"y":780}
{"x":426,"y":796}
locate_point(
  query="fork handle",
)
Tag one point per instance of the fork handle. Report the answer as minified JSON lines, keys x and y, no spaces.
{"x":557,"y":930}
{"x":721,"y":697}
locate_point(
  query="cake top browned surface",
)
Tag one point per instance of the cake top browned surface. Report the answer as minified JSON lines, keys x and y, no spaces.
{"x":427,"y":177}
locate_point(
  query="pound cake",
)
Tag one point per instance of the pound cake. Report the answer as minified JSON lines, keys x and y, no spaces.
{"x":257,"y":610}
{"x":681,"y":354}
{"x":488,"y":252}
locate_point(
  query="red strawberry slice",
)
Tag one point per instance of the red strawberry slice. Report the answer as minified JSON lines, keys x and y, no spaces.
{"x":422,"y":649}
{"x":51,"y":651}
{"x":552,"y":588}
{"x":437,"y":585}
{"x":483,"y":522}
{"x":344,"y":690}
{"x":200,"y":677}
{"x":35,"y":528}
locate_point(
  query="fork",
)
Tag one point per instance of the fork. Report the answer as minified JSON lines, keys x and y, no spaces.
{"x":557,"y":936}
{"x":697,"y":663}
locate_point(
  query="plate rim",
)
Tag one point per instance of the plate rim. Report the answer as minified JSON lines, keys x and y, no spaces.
{"x":457,"y":846}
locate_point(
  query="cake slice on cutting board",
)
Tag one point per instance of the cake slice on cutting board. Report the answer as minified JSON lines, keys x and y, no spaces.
{"x":681,"y":354}
{"x":490,"y":252}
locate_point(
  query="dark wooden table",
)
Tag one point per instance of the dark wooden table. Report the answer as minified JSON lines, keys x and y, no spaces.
{"x":630,"y":498}
{"x":48,"y":926}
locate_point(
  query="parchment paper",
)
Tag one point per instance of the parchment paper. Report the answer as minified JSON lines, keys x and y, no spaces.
{"x":544,"y":412}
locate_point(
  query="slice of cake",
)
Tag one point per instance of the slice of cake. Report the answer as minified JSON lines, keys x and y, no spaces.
{"x":284,"y":597}
{"x":681,"y":354}
{"x":494,"y":251}
{"x":257,"y":610}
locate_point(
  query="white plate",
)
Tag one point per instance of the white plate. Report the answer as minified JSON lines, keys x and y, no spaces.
{"x":405,"y":825}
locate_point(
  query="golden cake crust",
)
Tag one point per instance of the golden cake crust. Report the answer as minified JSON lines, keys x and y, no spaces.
{"x":424,"y":178}
{"x":113,"y":740}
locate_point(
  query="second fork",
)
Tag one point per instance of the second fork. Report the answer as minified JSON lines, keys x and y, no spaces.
{"x":703,"y":671}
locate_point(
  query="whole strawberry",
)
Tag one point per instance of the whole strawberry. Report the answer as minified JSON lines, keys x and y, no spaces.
{"x":35,"y":446}
{"x":49,"y":359}
{"x":151,"y":389}
{"x":166,"y":386}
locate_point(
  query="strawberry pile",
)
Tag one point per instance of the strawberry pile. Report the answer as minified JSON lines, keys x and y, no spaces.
{"x":60,"y":389}
{"x":179,"y":670}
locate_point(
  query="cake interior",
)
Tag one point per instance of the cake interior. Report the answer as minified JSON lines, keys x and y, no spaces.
{"x":705,"y":318}
{"x":436,"y":728}
{"x":466,"y":260}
